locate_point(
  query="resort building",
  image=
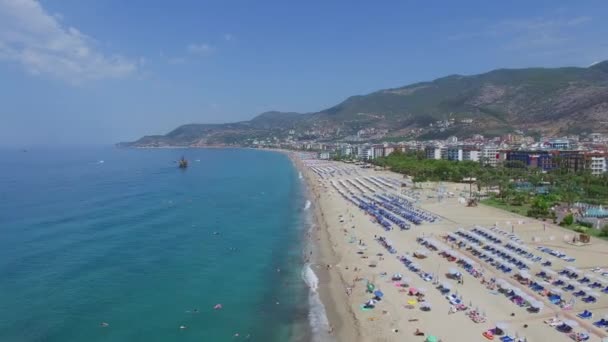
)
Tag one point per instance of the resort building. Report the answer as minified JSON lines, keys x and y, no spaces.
{"x":432,"y":152}
{"x":490,"y":155}
{"x":377,"y":151}
{"x":540,"y":159}
{"x":597,"y":163}
{"x":471,"y":154}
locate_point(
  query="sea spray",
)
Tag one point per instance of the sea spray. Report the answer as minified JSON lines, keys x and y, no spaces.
{"x":307,"y":205}
{"x":317,"y":317}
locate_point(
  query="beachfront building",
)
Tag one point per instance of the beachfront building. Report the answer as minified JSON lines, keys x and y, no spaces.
{"x":597,"y":163}
{"x":471,"y":154}
{"x":364,"y":152}
{"x":490,"y":155}
{"x":540,"y":159}
{"x":454,"y":153}
{"x":432,"y":152}
{"x":388,"y":149}
{"x":377,"y":151}
{"x":573,"y":161}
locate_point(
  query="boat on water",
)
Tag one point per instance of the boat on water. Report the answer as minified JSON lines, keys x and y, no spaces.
{"x":183,"y":163}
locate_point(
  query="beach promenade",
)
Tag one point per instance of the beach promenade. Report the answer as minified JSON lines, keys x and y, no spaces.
{"x":502,"y":277}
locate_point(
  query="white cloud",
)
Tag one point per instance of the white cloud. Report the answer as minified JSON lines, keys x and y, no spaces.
{"x":38,"y":41}
{"x":201,"y":49}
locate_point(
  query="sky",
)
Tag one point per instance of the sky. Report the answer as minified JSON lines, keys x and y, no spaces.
{"x":103,"y":71}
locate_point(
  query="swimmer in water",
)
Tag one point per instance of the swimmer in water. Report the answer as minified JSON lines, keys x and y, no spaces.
{"x":182,"y":327}
{"x":104,"y":324}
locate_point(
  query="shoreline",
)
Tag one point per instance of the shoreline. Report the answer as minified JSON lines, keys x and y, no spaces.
{"x":332,"y":286}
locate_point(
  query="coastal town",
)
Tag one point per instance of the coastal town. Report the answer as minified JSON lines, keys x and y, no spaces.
{"x":576,"y":152}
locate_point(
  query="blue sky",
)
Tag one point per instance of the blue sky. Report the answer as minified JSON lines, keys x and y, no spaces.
{"x":98,"y":72}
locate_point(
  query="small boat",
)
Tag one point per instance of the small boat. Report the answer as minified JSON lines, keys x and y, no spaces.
{"x":183,"y":163}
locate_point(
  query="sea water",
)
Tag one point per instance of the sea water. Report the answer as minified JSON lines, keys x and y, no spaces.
{"x":125,"y":237}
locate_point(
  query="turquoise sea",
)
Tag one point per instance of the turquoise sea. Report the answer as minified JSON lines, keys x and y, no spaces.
{"x":123,"y":236}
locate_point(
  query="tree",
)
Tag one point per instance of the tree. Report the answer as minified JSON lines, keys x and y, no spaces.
{"x":604,"y":230}
{"x":568,"y":220}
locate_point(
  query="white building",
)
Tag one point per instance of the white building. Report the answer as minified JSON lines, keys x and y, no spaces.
{"x":598,"y":165}
{"x":365,"y":152}
{"x":470,"y":154}
{"x":489,"y":155}
{"x":432,"y":152}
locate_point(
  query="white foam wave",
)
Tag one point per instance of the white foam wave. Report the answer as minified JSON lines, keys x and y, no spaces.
{"x":317,"y":317}
{"x":300,"y":175}
{"x":307,"y":205}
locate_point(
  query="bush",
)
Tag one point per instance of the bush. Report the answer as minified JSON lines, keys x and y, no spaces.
{"x":585,"y":224}
{"x":604,"y":231}
{"x":580,"y":229}
{"x":567,"y":220}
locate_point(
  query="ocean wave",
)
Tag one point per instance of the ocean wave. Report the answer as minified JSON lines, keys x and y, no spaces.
{"x":300,"y":175}
{"x":317,"y":318}
{"x":307,"y":205}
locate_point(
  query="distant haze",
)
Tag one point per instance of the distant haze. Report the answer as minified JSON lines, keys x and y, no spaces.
{"x":67,"y":76}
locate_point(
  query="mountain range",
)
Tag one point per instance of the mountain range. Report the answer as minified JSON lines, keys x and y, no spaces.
{"x":548,"y":101}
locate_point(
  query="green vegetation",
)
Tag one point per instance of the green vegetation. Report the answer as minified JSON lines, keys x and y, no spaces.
{"x":568,"y":220}
{"x":512,"y":187}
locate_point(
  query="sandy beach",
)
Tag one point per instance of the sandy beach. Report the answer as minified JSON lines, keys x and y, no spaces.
{"x":348,"y":257}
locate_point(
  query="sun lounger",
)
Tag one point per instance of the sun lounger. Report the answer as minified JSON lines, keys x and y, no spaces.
{"x":585,"y":314}
{"x":556,"y":323}
{"x":589,"y":299}
{"x":602,"y":323}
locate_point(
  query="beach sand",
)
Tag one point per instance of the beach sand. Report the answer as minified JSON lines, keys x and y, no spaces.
{"x":339,"y":267}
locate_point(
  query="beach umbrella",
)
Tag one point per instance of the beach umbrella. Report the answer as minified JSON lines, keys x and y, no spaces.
{"x":413,"y":290}
{"x":537,"y":305}
{"x":518,"y":292}
{"x":426,"y":305}
{"x":446,"y":285}
{"x":548,"y":270}
{"x":571,"y":323}
{"x":412,"y":301}
{"x":431,"y":338}
{"x":453,"y":271}
{"x":502,"y":325}
{"x":585,"y":288}
{"x":378,"y":294}
{"x":563,"y":278}
{"x":572,"y":269}
{"x":370,"y":287}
